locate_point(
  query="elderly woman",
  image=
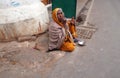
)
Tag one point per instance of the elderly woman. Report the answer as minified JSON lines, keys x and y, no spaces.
{"x":61,"y":32}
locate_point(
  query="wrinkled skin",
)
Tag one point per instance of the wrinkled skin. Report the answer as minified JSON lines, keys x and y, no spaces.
{"x":61,"y":17}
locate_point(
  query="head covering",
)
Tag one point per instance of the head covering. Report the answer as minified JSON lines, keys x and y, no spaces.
{"x":54,"y":16}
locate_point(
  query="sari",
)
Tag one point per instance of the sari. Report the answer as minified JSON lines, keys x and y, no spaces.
{"x":60,"y":37}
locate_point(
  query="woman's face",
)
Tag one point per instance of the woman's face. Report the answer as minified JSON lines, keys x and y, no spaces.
{"x":60,"y":16}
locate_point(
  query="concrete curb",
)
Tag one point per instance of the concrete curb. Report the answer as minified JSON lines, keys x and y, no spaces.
{"x":88,"y":14}
{"x":80,"y":5}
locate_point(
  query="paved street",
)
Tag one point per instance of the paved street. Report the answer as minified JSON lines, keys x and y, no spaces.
{"x":101,"y":57}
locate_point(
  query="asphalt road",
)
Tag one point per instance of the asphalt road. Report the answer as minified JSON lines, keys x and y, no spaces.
{"x":101,"y":57}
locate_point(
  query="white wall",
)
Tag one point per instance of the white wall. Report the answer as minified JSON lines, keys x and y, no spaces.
{"x":22,"y":17}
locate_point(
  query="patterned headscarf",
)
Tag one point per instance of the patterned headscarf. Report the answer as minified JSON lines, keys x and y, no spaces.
{"x":54,"y":16}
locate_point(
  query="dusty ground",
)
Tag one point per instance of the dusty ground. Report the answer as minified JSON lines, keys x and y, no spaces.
{"x":19,"y":59}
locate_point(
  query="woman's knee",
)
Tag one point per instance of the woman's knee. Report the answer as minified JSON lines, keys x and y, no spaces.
{"x":71,"y":48}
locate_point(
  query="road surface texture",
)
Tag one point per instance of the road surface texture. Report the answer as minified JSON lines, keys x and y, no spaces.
{"x":100,"y":58}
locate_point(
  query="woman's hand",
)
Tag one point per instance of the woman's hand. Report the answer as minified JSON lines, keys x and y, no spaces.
{"x":72,"y":21}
